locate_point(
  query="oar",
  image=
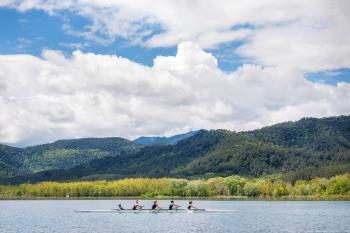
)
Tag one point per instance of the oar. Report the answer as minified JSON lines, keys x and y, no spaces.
{"x":157,"y":209}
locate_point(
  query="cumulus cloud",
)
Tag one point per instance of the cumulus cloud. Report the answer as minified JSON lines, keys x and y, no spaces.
{"x":309,"y":35}
{"x":55,"y":96}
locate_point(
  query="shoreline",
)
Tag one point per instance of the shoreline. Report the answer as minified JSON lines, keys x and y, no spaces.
{"x":213,"y":198}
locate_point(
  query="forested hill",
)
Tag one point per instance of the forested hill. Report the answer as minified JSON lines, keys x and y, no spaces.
{"x":62,"y":154}
{"x":9,"y":160}
{"x":164,"y":140}
{"x":302,"y":149}
{"x":319,"y":134}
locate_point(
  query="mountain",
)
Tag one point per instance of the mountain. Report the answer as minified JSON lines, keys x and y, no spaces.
{"x":8,"y":160}
{"x":152,"y":161}
{"x":62,"y":154}
{"x":323,"y":134}
{"x":301,"y":149}
{"x":163,"y":140}
{"x":289,"y":146}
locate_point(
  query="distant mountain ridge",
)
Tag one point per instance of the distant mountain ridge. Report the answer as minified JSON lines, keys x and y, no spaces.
{"x":300,"y":149}
{"x":61,"y":154}
{"x":163,"y":140}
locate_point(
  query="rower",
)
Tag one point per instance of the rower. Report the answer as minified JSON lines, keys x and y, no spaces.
{"x":191,"y":206}
{"x":173,"y":205}
{"x":155,"y":206}
{"x":120,"y":207}
{"x":136,"y":205}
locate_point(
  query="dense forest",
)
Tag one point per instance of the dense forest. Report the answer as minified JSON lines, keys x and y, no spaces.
{"x":304,"y":149}
{"x":318,"y":188}
{"x":62,"y":154}
{"x":163,"y":140}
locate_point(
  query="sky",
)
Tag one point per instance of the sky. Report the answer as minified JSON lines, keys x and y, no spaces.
{"x":90,"y":68}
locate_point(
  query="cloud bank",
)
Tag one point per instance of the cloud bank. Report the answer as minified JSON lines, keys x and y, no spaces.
{"x":309,"y":35}
{"x":55,"y":96}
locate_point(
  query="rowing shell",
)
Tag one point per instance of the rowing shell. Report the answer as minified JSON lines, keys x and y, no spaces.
{"x":140,"y":211}
{"x":150,"y":211}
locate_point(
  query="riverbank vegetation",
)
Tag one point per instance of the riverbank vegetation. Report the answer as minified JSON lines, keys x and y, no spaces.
{"x":231,"y":186}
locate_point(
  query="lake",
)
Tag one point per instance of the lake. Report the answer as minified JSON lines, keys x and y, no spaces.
{"x":42,"y":216}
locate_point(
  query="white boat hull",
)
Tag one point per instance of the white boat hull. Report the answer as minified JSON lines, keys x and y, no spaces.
{"x":140,"y":211}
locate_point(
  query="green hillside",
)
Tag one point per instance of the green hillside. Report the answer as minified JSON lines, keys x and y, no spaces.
{"x":303,"y":149}
{"x":291,"y":146}
{"x":9,"y":160}
{"x":326,"y":134}
{"x":62,"y":154}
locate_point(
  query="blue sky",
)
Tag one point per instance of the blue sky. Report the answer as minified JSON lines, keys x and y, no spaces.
{"x":71,"y":69}
{"x":330,"y":77}
{"x":33,"y":31}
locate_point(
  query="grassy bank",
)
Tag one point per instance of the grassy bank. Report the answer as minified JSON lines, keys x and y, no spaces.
{"x":232,"y":187}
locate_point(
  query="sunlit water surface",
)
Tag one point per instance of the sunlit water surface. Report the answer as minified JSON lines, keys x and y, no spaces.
{"x":250,"y":216}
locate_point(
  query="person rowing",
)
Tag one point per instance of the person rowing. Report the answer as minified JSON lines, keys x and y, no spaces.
{"x":191,"y":206}
{"x":120,"y":207}
{"x":137,"y":206}
{"x":173,"y":205}
{"x":155,"y":206}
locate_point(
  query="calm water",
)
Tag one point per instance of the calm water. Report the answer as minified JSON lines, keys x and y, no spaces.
{"x":251,"y":216}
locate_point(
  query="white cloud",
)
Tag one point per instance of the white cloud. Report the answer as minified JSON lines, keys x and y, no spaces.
{"x":53,"y":97}
{"x":309,"y":35}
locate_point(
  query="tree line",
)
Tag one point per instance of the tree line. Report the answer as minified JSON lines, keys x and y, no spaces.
{"x":267,"y":187}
